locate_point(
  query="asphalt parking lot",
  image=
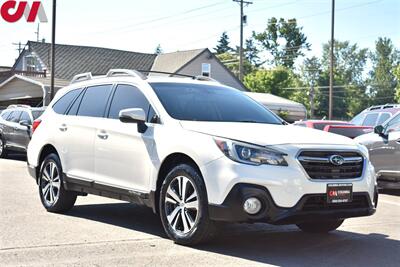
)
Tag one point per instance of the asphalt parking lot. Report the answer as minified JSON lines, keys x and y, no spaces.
{"x":103,"y":232}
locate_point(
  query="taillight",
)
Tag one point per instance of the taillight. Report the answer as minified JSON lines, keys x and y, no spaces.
{"x":35,"y":124}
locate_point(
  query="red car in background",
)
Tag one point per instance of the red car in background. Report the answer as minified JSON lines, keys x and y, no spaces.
{"x":338,"y":127}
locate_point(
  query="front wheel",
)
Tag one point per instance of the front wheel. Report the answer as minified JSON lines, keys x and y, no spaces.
{"x":321,"y":226}
{"x":184,"y":207}
{"x":51,"y":190}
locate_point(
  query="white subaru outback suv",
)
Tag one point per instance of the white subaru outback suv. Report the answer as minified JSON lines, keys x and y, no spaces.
{"x":197,"y":153}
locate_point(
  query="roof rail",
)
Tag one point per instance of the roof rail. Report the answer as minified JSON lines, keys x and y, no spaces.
{"x":125,"y":72}
{"x":204,"y":79}
{"x":18,"y":106}
{"x":82,"y":77}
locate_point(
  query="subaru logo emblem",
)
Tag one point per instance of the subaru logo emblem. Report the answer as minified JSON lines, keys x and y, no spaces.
{"x":336,"y":160}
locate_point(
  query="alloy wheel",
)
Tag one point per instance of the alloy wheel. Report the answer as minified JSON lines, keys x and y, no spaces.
{"x":181,"y":205}
{"x":50,"y":183}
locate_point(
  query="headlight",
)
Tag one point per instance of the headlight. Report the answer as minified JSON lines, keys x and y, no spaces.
{"x":250,"y":154}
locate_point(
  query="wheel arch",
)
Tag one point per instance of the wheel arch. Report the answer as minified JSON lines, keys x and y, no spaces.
{"x":166,"y":166}
{"x":45,"y":151}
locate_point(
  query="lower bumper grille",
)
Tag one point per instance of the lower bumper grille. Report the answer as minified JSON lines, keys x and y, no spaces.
{"x":326,"y":165}
{"x":318,"y":203}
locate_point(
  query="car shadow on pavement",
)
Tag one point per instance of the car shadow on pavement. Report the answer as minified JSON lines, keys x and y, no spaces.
{"x":263,"y":243}
{"x":124,"y":215}
{"x":16,"y":156}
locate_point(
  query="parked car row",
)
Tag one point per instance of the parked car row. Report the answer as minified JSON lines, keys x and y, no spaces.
{"x":15,"y":127}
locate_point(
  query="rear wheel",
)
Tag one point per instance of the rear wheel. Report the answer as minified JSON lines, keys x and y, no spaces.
{"x":184,"y":207}
{"x":320,"y":227}
{"x":52,"y":193}
{"x":3,"y":152}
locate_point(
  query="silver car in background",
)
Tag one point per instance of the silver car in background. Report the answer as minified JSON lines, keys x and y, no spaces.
{"x":384,"y":148}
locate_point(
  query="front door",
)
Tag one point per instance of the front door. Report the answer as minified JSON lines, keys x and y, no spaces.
{"x":123,"y":155}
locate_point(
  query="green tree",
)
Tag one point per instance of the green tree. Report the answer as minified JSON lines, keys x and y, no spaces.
{"x":251,"y":53}
{"x":158,"y":50}
{"x":223,"y":45}
{"x":284,"y":40}
{"x":273,"y":81}
{"x":231,"y":61}
{"x":397,"y":74}
{"x":382,"y":78}
{"x":349,"y":94}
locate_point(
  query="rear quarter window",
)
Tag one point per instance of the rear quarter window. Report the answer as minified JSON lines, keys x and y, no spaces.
{"x":65,"y":101}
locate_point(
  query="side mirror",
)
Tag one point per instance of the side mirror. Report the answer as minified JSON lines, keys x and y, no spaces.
{"x":134,"y":115}
{"x":25,"y":123}
{"x":379,"y":130}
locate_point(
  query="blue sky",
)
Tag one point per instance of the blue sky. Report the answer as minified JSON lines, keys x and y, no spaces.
{"x":186,"y":24}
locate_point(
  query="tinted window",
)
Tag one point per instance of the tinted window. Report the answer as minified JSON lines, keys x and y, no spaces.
{"x":25,"y":117}
{"x":37,"y":113}
{"x":94,"y":101}
{"x":394,"y":124}
{"x":5,"y":115}
{"x":73,"y":110}
{"x":127,"y":96}
{"x":201,"y":102}
{"x":370,"y":119}
{"x":64,"y":102}
{"x":384,"y":117}
{"x":15,"y":116}
{"x":358,"y":120}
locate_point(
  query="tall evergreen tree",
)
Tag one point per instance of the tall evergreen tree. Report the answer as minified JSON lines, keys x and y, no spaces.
{"x":223,"y":45}
{"x":383,"y":81}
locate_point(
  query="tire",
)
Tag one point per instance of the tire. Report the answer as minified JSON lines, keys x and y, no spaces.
{"x":3,"y":151}
{"x":185,"y":220}
{"x":320,"y":227}
{"x":51,"y":190}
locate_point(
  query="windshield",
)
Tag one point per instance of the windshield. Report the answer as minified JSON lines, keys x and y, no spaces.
{"x":201,"y":102}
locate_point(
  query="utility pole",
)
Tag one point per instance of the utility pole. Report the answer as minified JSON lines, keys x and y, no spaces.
{"x":19,"y":47}
{"x":38,"y":32}
{"x":242,"y":16}
{"x":53,"y":50}
{"x":332,"y":58}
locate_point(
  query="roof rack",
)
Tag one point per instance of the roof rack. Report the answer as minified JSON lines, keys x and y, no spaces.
{"x":82,"y":77}
{"x":198,"y":78}
{"x":18,"y":106}
{"x":125,"y":72}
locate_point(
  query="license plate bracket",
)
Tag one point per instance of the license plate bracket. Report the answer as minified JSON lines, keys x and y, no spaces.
{"x":339,"y":193}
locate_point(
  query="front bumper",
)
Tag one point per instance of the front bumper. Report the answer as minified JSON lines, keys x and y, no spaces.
{"x":310,"y":207}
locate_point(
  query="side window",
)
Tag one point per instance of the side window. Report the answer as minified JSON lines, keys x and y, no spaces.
{"x":73,"y":110}
{"x":9,"y":116}
{"x":393,"y":125}
{"x":370,"y":119}
{"x":358,"y":120}
{"x":127,"y":96}
{"x":64,"y":102}
{"x":5,"y":115}
{"x":25,"y":117}
{"x":15,"y":116}
{"x":152,"y":116}
{"x":94,"y":101}
{"x":384,"y":117}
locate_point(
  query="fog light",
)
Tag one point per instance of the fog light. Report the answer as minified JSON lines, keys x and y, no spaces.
{"x":252,"y":206}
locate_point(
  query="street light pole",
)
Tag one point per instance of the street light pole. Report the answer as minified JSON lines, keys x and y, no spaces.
{"x":332,"y":58}
{"x":53,"y":50}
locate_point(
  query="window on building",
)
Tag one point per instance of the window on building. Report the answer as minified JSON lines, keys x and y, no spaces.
{"x":206,"y":69}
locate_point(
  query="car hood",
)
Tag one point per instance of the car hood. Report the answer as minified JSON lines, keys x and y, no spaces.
{"x":266,"y":134}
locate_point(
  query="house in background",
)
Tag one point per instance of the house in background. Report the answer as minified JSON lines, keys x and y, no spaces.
{"x":27,"y":82}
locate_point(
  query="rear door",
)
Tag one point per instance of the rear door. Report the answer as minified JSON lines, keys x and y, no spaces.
{"x":12,"y":126}
{"x":79,"y":131}
{"x":22,"y":133}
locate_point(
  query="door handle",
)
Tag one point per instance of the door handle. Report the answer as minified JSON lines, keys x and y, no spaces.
{"x":102,"y":135}
{"x":63,"y":128}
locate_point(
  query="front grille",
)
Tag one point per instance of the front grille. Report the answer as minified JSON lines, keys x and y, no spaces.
{"x":318,"y":165}
{"x":318,"y":203}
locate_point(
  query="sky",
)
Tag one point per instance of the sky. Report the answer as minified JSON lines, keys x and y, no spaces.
{"x":137,"y":25}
